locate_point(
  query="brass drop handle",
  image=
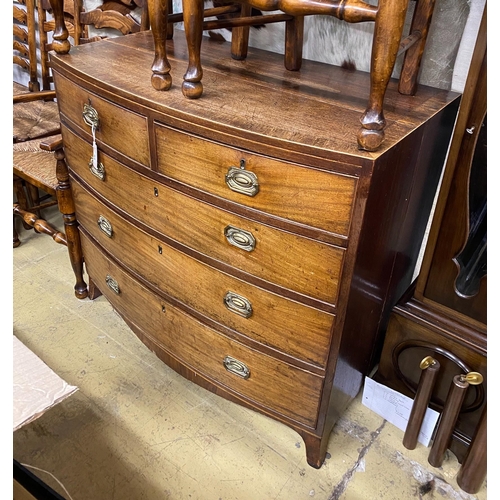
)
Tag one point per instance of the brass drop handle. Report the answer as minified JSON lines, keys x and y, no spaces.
{"x":105,"y":226}
{"x":236,"y":367}
{"x":91,"y":118}
{"x":97,"y":169}
{"x":238,"y":304}
{"x":240,"y":238}
{"x":113,"y":284}
{"x":242,"y":181}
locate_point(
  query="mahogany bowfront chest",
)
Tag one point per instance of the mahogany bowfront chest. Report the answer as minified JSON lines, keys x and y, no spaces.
{"x":243,"y":237}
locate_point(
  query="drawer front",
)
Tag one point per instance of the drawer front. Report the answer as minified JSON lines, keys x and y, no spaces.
{"x":288,"y":390}
{"x":290,"y":261}
{"x":119,"y":128}
{"x":295,"y":329}
{"x":313,"y":197}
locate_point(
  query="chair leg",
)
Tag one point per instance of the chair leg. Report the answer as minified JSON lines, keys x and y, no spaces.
{"x":294,"y":40}
{"x":158,"y":18}
{"x":34,"y":198}
{"x":21,"y":197}
{"x":240,"y":36}
{"x":192,"y":87}
{"x":170,"y":26}
{"x":67,"y":209}
{"x":389,"y":24}
{"x":413,"y":57}
{"x":40,"y":225}
{"x":16,"y":241}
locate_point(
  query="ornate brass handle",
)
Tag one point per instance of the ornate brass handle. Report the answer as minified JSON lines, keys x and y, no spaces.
{"x":242,"y":181}
{"x":113,"y":284}
{"x":237,"y":367}
{"x":240,"y":238}
{"x":90,"y":116}
{"x":97,"y":168}
{"x":238,"y":304}
{"x":105,"y":226}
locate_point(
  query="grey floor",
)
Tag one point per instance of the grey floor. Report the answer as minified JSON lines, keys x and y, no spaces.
{"x":136,"y":430}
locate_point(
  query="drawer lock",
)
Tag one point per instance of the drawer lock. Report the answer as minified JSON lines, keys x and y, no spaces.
{"x":238,"y":304}
{"x":240,"y":238}
{"x":237,"y":367}
{"x":242,"y":181}
{"x":105,"y":226}
{"x":113,"y":284}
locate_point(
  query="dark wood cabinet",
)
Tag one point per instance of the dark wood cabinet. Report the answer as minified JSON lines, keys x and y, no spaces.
{"x":444,"y":314}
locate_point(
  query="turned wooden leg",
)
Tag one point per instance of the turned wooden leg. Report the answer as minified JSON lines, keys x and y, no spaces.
{"x":389,"y":24}
{"x":16,"y":241}
{"x":240,"y":36}
{"x":40,"y":225}
{"x":67,"y":209}
{"x":33,"y":198}
{"x":21,"y":197}
{"x":294,"y":40}
{"x":158,"y":17}
{"x":193,"y":22}
{"x":170,"y":26}
{"x":60,"y":42}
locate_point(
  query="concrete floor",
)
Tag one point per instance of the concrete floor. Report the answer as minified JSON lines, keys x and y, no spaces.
{"x":137,"y":430}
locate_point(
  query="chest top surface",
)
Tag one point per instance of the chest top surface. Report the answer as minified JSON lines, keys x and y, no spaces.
{"x":252,"y":103}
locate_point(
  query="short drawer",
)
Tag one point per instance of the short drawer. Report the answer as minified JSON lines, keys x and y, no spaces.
{"x":249,"y":374}
{"x":288,"y":326}
{"x":291,"y":261}
{"x":121,"y":129}
{"x":308,"y":196}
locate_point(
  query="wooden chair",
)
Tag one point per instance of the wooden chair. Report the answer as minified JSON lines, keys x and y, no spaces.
{"x":112,"y":14}
{"x":389,"y":18}
{"x":38,"y":158}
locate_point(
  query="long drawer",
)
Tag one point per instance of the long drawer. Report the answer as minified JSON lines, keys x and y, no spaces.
{"x":119,"y":128}
{"x":313,"y":197}
{"x":291,"y":261}
{"x":257,"y":377}
{"x":288,"y":326}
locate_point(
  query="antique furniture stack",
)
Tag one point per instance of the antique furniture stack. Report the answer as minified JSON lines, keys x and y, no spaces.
{"x":244,"y":236}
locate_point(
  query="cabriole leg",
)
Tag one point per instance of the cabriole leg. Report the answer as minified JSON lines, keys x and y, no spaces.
{"x":158,"y":15}
{"x":389,"y":24}
{"x":193,"y":20}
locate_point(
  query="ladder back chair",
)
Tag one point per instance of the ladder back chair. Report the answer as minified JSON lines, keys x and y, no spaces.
{"x":40,"y":175}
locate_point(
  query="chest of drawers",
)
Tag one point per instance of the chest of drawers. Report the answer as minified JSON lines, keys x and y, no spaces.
{"x":242,"y":236}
